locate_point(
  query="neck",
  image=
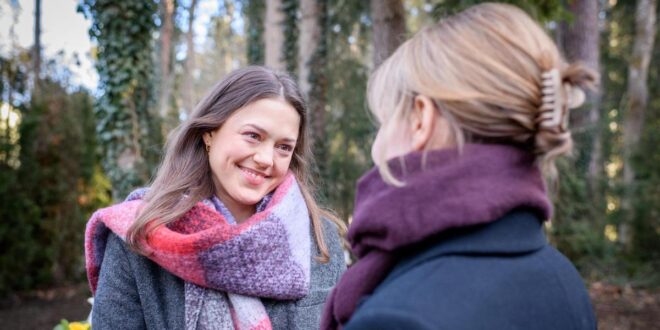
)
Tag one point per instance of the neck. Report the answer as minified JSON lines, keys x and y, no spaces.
{"x":240,"y":212}
{"x":445,"y":189}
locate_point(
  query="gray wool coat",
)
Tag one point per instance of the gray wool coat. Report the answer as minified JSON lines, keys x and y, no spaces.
{"x":135,"y":293}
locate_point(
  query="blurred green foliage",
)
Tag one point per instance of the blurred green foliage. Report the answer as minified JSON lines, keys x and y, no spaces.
{"x":60,"y":161}
{"x":50,"y":181}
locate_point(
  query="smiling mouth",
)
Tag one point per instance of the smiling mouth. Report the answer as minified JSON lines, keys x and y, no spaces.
{"x":253,"y":174}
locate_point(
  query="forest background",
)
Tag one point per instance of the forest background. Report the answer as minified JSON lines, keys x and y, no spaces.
{"x":67,"y":149}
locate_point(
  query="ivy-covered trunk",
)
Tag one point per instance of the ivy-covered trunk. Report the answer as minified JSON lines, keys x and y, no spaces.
{"x":274,"y":35}
{"x":166,"y":38}
{"x":128,"y":132}
{"x":289,"y":55}
{"x":581,"y":176}
{"x":188,"y":92}
{"x":312,"y":75}
{"x":254,"y":12}
{"x":579,"y":40}
{"x":638,"y":101}
{"x":389,"y":24}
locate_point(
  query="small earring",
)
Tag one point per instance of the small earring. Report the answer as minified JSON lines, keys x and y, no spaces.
{"x":208,"y":148}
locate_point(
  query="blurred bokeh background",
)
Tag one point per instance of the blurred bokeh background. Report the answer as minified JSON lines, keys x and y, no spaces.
{"x":90,"y":89}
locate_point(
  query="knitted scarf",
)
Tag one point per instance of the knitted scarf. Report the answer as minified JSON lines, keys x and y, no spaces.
{"x":266,"y":256}
{"x":443,"y":189}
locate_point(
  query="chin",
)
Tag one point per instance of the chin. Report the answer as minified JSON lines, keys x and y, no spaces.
{"x":252,"y":199}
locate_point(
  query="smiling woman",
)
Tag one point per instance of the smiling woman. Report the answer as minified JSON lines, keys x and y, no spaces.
{"x":250,"y":154}
{"x":228,"y":234}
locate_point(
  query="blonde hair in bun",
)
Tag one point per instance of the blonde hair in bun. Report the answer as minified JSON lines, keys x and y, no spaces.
{"x":494,"y":74}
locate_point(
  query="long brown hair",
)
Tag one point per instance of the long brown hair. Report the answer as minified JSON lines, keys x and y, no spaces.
{"x":185,"y":169}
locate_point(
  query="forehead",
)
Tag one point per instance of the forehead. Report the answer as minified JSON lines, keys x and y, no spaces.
{"x":275,"y":115}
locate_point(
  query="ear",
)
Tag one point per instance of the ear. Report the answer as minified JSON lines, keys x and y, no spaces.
{"x":423,"y":121}
{"x":207,"y":138}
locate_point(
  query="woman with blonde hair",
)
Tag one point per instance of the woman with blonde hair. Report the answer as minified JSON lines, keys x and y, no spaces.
{"x":448,"y":228}
{"x":229,"y":235}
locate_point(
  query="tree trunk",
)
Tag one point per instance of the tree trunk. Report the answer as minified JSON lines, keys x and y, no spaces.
{"x":580,"y":43}
{"x":638,"y":97}
{"x":274,"y":35}
{"x":10,"y":106}
{"x":312,"y":61}
{"x":37,"y":47}
{"x":128,"y":126}
{"x":166,"y":77}
{"x":253,"y":11}
{"x":188,"y":90}
{"x":229,"y":54}
{"x":310,"y":34}
{"x":389,"y":28}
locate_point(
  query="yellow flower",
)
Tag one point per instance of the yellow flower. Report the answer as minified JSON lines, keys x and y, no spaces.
{"x":79,"y":326}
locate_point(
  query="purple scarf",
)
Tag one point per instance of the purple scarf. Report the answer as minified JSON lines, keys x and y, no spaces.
{"x":266,"y":256}
{"x":444,"y":189}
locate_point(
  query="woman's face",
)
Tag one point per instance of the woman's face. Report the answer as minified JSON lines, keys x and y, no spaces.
{"x":250,"y":153}
{"x":392,"y":140}
{"x":422,"y":128}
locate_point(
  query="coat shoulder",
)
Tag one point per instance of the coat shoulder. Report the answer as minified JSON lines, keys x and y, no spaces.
{"x":132,"y":287}
{"x":457,"y":288}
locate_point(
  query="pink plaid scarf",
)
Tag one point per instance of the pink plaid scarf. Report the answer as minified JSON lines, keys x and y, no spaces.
{"x":268,"y":255}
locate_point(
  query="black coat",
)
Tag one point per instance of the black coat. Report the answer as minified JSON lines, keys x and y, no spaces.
{"x":501,"y":275}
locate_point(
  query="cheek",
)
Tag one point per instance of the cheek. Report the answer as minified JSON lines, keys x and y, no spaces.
{"x":377,"y":149}
{"x":281,"y":167}
{"x":224,"y":156}
{"x":399,"y":146}
{"x":216,"y":167}
{"x":390,"y":143}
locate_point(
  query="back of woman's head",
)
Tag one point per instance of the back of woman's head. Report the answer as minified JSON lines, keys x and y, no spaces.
{"x":488,"y":70}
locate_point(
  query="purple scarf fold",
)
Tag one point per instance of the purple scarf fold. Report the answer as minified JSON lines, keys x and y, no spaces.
{"x":443,"y":189}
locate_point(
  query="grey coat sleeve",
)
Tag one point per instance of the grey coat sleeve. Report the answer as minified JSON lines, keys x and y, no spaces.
{"x":306,"y":312}
{"x":117,"y":302}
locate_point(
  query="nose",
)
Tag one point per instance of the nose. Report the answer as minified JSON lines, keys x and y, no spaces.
{"x":264,"y":156}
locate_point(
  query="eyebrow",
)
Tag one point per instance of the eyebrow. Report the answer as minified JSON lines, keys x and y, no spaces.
{"x":263,"y":131}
